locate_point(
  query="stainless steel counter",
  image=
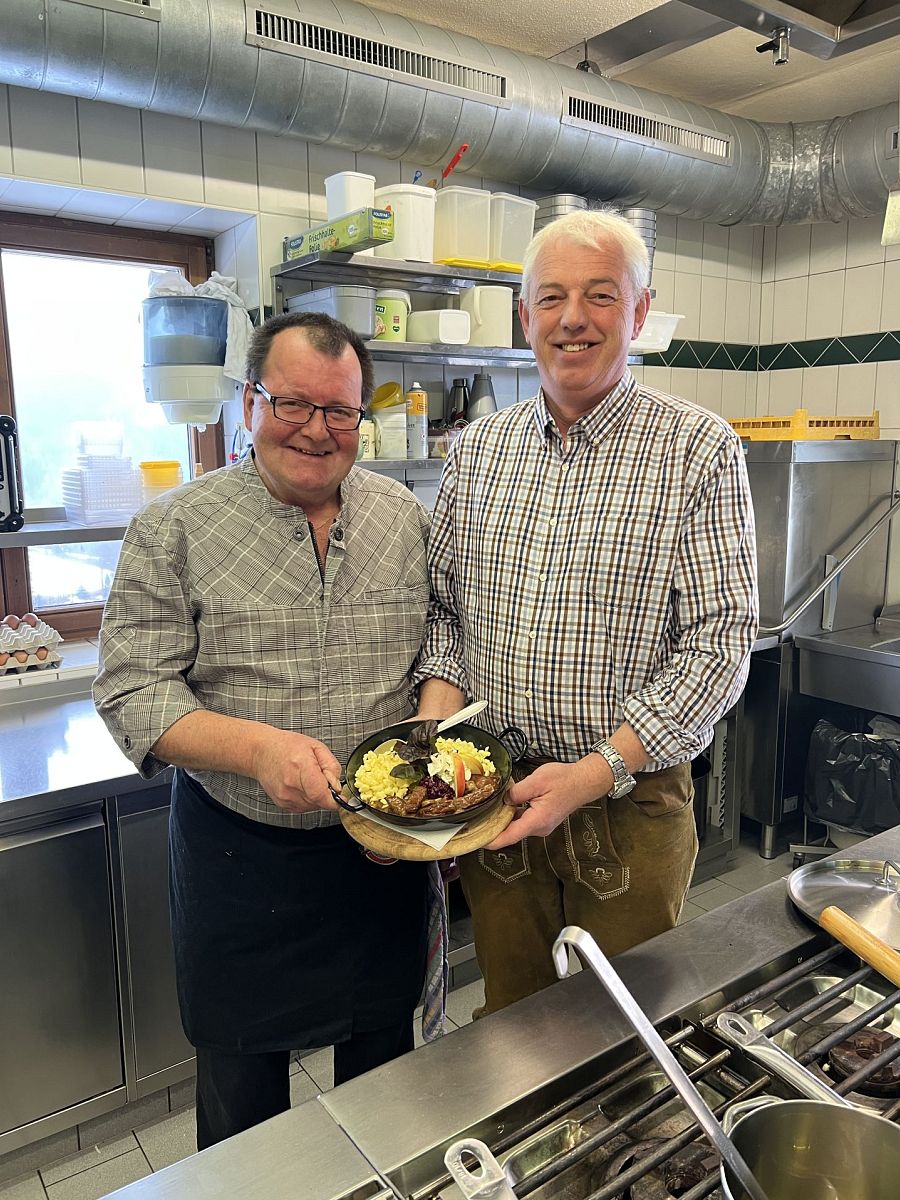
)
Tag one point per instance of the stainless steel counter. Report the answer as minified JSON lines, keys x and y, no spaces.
{"x":496,"y":1073}
{"x":859,"y":666}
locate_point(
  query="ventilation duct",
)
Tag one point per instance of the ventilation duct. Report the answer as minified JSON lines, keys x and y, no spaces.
{"x":367,"y":80}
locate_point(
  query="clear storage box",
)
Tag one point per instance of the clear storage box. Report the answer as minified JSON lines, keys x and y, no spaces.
{"x":512,"y":226}
{"x":462,"y":227}
{"x":353,"y":305}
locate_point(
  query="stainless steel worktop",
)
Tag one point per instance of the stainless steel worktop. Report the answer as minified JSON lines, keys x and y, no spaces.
{"x":495,"y":1073}
{"x":859,"y":666}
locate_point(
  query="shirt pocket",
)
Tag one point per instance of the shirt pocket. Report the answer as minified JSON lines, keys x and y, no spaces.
{"x":278,"y":642}
{"x":381,"y":629}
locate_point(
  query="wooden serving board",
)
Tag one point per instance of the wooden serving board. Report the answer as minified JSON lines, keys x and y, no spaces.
{"x":394,"y":843}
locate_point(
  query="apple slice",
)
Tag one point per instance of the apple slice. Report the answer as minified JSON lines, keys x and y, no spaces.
{"x":459,"y":775}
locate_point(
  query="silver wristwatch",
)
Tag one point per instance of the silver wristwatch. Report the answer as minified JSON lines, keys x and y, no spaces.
{"x":623,"y":782}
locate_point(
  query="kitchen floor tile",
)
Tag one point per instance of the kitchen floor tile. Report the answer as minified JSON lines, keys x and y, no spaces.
{"x":100,"y":1130}
{"x":319,"y":1066}
{"x":169,"y":1140}
{"x":303,"y":1088}
{"x":689,"y":911}
{"x":92,"y":1156}
{"x":100,"y":1181}
{"x":26,"y":1159}
{"x":699,"y":888}
{"x":720,"y":894}
{"x":461,"y":1002}
{"x":418,"y":1040}
{"x":29,"y":1188}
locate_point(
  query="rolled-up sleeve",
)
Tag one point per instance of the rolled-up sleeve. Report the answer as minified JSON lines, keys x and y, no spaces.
{"x":442,"y":653}
{"x":148,"y":643}
{"x":715,"y":613}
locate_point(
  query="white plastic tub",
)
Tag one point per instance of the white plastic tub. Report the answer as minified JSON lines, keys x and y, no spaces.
{"x":347,"y":302}
{"x":462,"y":227}
{"x":512,"y":225}
{"x":413,"y":209}
{"x":347,"y":192}
{"x":447,"y":326}
{"x":659,"y":328}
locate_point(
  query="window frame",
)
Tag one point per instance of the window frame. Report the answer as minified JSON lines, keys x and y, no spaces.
{"x":193,"y":254}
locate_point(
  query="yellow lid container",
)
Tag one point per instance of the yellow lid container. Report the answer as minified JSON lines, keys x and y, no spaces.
{"x":389,"y":395}
{"x":163,"y":473}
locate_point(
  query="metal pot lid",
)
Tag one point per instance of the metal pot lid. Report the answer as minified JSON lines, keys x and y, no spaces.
{"x":867,"y":889}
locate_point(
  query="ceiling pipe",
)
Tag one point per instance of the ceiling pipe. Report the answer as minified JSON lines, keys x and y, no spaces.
{"x":203,"y":60}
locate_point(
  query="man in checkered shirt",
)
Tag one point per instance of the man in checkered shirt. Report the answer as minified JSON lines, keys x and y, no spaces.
{"x":593,"y":576}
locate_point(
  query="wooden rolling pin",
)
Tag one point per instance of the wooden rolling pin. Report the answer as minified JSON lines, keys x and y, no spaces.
{"x":855,"y":937}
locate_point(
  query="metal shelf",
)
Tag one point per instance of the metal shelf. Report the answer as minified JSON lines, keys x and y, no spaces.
{"x":451,"y":356}
{"x":368,"y":271}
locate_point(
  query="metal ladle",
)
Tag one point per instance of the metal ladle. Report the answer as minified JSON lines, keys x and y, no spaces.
{"x":582,"y":941}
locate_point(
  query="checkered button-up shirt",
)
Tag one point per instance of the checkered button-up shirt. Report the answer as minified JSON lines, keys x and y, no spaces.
{"x":218,"y":603}
{"x":603,"y":579}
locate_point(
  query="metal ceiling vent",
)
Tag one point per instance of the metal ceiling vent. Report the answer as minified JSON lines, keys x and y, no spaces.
{"x":693,"y":141}
{"x":134,"y":8}
{"x":391,"y":60}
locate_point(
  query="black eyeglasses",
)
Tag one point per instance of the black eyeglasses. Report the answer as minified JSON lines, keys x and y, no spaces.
{"x":300,"y":412}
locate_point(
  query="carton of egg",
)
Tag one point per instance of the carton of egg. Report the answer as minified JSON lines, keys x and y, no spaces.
{"x":27,"y":642}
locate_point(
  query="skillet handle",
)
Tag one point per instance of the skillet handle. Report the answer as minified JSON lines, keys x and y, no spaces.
{"x":855,"y":937}
{"x":514,"y":742}
{"x":339,"y":799}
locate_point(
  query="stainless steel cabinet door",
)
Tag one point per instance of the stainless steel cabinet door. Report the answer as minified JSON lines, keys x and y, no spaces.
{"x":59,"y":1024}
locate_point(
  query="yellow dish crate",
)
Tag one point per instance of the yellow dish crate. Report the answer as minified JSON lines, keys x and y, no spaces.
{"x":801,"y":427}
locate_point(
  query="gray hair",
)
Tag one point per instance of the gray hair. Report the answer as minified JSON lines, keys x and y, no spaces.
{"x":590,"y":229}
{"x":324,"y":334}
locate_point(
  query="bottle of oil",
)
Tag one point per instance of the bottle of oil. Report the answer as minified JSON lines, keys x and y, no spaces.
{"x":416,"y":422}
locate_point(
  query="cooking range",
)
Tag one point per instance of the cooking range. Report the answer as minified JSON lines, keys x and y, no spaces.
{"x":561,"y":1090}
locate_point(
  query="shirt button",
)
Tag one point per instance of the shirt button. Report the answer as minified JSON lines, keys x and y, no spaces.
{"x":338,"y":535}
{"x":299,"y":535}
{"x":552,"y":522}
{"x":532,"y":633}
{"x":529,"y":694}
{"x":126,"y":742}
{"x":542,"y":578}
{"x":595,"y":442}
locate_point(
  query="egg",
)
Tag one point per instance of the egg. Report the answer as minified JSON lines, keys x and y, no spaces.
{"x":31,"y":619}
{"x":21,"y":656}
{"x":41,"y":652}
{"x":12,"y":621}
{"x":4,"y":658}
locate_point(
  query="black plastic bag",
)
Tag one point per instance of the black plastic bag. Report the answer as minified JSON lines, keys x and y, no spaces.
{"x":852,"y":779}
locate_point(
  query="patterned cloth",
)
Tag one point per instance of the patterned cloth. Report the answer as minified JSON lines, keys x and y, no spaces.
{"x":437,"y":969}
{"x":607,"y":578}
{"x":218,"y":603}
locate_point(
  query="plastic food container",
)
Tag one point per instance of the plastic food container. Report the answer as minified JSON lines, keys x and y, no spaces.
{"x":512,"y":226}
{"x":449,"y":326}
{"x":489,"y":307}
{"x":657,"y":332}
{"x":392,"y":307}
{"x":346,"y":192}
{"x":413,"y":209}
{"x":462,"y":227}
{"x":159,"y":477}
{"x":346,"y":302}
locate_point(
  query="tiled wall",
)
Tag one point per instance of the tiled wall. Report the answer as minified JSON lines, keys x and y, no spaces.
{"x":740,"y":286}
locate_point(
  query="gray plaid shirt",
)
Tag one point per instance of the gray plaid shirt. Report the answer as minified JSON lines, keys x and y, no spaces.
{"x":218,"y":603}
{"x":608,"y":579}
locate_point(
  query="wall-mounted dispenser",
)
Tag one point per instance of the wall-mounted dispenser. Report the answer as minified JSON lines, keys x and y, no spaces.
{"x":184,"y":354}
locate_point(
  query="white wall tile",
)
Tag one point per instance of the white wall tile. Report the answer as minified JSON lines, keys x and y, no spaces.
{"x":761,"y":408}
{"x":734,"y":394}
{"x":709,"y":390}
{"x":528,"y":384}
{"x":664,"y":254}
{"x":759,"y":235}
{"x":785,"y":391}
{"x":856,"y":390}
{"x":638,"y":373}
{"x":864,"y":242}
{"x":828,"y":247}
{"x":687,"y":301}
{"x":715,"y":249}
{"x":766,"y":313}
{"x":892,"y":253}
{"x":684,"y":383}
{"x":737,"y":311}
{"x":5,"y":138}
{"x":160,"y":214}
{"x":273,"y":229}
{"x":229,"y":167}
{"x":664,"y":283}
{"x":887,"y":393}
{"x":385,"y":170}
{"x":88,"y":205}
{"x":506,"y":387}
{"x":789,"y":311}
{"x":689,"y":247}
{"x":767,"y":266}
{"x":110,"y":146}
{"x":659,"y":378}
{"x":173,"y":159}
{"x":825,"y":305}
{"x":740,"y":252}
{"x":890,"y":300}
{"x":44,"y":133}
{"x":792,"y":251}
{"x":712,"y":308}
{"x":253,"y":287}
{"x":283,"y":175}
{"x":755,"y":303}
{"x":22,"y":195}
{"x":862,"y":299}
{"x":752,"y":385}
{"x":820,"y":388}
{"x":225,"y":253}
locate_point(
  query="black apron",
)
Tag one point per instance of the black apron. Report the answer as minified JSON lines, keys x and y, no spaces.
{"x":287,"y":939}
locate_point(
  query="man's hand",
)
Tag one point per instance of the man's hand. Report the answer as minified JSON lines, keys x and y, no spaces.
{"x":549,"y":794}
{"x":295,"y":770}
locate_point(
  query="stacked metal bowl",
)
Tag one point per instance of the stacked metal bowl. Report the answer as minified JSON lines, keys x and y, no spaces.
{"x":549,"y":208}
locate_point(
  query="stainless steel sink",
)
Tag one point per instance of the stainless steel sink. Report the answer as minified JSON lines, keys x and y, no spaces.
{"x":857,"y":666}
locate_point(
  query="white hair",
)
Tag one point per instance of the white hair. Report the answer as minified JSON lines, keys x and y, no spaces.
{"x":590,"y":228}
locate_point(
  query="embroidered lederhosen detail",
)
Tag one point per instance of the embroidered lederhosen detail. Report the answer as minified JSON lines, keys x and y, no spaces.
{"x":592,"y":855}
{"x":508,"y":864}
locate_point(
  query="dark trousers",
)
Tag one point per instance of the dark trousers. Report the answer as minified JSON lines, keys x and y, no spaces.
{"x":237,"y":1091}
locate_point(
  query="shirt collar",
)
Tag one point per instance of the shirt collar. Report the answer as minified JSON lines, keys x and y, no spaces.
{"x":293,"y":512}
{"x":598,"y":421}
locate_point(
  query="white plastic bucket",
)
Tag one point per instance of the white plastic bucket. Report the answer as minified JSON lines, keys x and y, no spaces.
{"x":446,"y":326}
{"x":490,"y":314}
{"x":347,"y":191}
{"x":413,"y":209}
{"x":390,"y":432}
{"x":392,"y":307}
{"x":462,"y":226}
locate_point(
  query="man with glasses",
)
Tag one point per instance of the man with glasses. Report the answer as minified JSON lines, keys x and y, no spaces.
{"x":263,"y":620}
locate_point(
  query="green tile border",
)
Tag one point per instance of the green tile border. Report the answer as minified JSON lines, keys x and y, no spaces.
{"x":780,"y":356}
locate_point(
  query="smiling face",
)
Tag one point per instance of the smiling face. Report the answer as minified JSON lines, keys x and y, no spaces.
{"x":303,"y":464}
{"x":580,"y":317}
